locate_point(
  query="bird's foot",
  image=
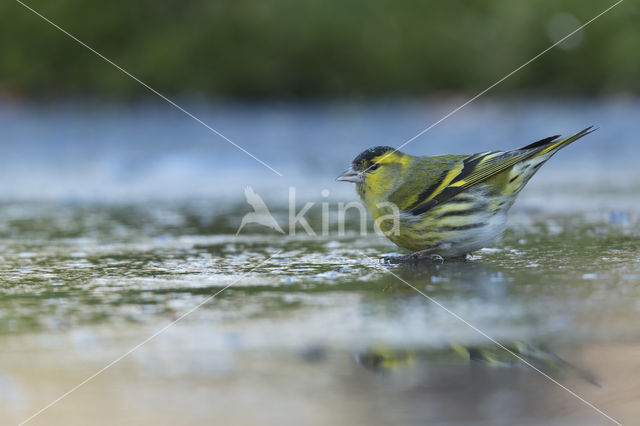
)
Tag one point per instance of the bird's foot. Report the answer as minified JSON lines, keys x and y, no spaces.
{"x":427,"y":256}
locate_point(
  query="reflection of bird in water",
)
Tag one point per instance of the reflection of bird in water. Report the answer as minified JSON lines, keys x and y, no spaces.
{"x":386,"y":359}
{"x":260,"y":214}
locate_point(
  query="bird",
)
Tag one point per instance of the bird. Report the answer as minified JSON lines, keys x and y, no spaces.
{"x":504,"y":355}
{"x":446,"y":206}
{"x":261,"y":214}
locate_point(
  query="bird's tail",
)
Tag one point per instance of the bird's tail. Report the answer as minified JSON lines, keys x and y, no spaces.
{"x":558,"y":145}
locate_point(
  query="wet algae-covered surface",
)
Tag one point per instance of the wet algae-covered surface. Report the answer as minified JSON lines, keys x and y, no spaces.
{"x":311,"y":329}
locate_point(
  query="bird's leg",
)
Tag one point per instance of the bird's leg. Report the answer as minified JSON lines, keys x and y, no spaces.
{"x":426,"y":254}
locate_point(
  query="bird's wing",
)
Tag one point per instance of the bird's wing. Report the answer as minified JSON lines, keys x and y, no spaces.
{"x":480,"y":167}
{"x":463,"y":175}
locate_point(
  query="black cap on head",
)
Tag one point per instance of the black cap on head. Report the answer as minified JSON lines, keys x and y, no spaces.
{"x":364,"y":159}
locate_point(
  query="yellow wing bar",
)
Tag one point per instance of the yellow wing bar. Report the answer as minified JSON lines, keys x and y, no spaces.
{"x":479,"y":167}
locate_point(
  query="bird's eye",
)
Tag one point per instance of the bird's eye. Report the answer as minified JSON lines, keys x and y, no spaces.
{"x":374,"y":166}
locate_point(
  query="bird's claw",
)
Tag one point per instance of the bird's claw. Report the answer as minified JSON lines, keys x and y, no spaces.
{"x":413,"y":257}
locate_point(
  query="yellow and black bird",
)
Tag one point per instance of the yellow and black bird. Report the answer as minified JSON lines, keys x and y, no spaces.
{"x":446,"y":205}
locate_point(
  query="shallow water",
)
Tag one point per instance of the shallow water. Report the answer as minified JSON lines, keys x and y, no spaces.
{"x":83,"y":283}
{"x":310,"y":329}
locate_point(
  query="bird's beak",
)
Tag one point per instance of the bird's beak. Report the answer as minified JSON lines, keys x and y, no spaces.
{"x":350,"y":175}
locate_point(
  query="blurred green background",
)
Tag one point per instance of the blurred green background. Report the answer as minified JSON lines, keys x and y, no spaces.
{"x":332,"y":48}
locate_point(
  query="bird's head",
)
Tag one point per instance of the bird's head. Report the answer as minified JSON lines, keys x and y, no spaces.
{"x":376,"y":170}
